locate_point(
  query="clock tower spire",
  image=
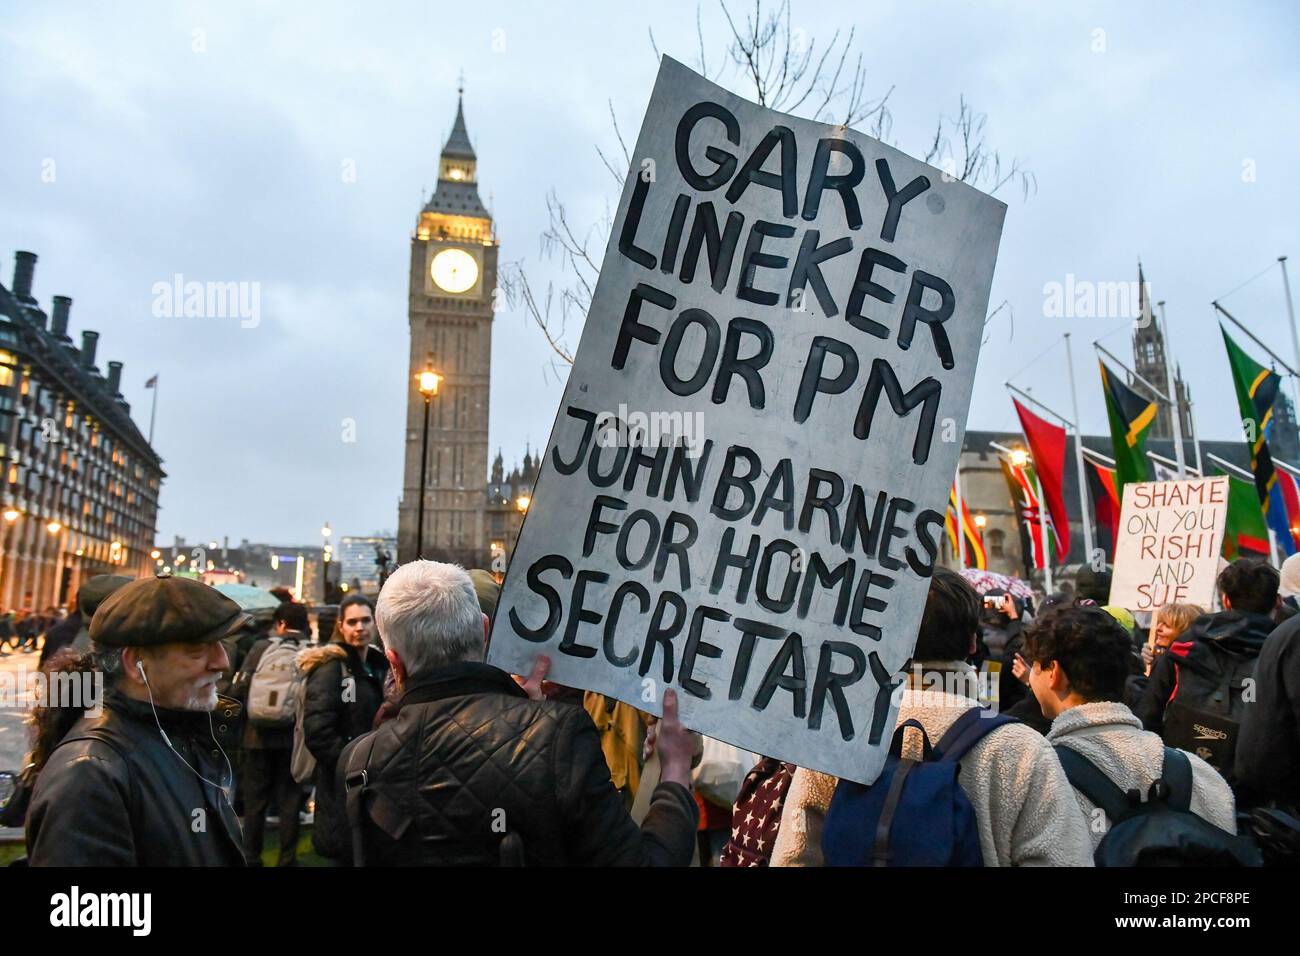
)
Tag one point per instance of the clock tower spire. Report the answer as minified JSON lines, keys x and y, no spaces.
{"x":449,"y":305}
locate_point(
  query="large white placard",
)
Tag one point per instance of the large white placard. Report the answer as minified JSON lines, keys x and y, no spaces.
{"x":1168,"y":544}
{"x":743,"y":493}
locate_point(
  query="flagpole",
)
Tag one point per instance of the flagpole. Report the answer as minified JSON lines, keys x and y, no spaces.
{"x":153,"y":412}
{"x":1295,"y":336}
{"x":1251,"y":335}
{"x":1098,"y":458}
{"x":1042,"y":537}
{"x":960,"y":519}
{"x":1176,"y":412}
{"x":1078,"y":456}
{"x":1196,"y":437}
{"x":1155,"y":389}
{"x":1168,"y":463}
{"x":1229,"y":468}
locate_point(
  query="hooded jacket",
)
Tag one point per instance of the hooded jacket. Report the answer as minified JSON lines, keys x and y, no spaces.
{"x":1267,"y":762}
{"x":1111,"y":737}
{"x":470,"y":758}
{"x":1024,"y":806}
{"x":1213,"y":644}
{"x":333,"y":715}
{"x":114,"y":794}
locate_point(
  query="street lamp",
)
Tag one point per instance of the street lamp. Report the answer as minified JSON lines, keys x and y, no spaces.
{"x":10,"y":515}
{"x":429,"y":380}
{"x":522,"y":503}
{"x":326,"y":554}
{"x":981,"y":521}
{"x":54,"y":527}
{"x":1019,"y":458}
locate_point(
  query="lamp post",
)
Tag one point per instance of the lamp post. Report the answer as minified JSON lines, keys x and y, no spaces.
{"x":429,"y":380}
{"x":11,"y":515}
{"x":326,"y":554}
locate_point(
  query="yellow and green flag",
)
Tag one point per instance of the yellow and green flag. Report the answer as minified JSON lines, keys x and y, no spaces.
{"x":1131,"y":416}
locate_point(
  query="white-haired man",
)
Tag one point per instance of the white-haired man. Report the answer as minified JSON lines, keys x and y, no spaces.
{"x":474,"y":770}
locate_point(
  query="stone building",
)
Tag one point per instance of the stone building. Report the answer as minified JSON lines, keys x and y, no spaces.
{"x":80,"y":482}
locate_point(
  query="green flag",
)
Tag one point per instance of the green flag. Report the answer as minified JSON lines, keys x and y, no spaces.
{"x":1245,"y":529}
{"x":1256,"y":391}
{"x":1130,"y":418}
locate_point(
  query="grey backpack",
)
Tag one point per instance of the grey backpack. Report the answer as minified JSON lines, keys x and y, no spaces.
{"x":276,"y":689}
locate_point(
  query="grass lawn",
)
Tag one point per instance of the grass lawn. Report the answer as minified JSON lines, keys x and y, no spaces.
{"x":306,"y":855}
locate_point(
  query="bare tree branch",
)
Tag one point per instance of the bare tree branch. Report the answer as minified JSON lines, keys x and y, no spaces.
{"x":783,"y":69}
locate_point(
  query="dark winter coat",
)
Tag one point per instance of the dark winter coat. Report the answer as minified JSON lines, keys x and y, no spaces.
{"x":1209,"y":647}
{"x":59,"y":636}
{"x":114,"y":794}
{"x":469,"y":757}
{"x":1268,"y":748}
{"x":332,"y":716}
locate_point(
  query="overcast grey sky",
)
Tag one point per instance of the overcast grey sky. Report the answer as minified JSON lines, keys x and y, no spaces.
{"x":219,"y":155}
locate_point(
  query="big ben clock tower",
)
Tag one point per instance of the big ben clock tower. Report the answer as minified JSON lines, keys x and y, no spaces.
{"x":452,"y":283}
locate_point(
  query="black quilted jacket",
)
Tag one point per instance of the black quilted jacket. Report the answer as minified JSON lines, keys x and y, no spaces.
{"x":469,"y":758}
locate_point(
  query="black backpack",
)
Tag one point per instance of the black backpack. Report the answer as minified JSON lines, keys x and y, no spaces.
{"x":1204,"y":716}
{"x":1158,"y":831}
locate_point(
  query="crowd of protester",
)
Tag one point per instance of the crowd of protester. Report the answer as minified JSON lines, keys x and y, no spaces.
{"x":1067,"y":734}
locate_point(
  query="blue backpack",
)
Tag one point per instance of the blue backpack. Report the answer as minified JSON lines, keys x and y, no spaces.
{"x":915,"y":814}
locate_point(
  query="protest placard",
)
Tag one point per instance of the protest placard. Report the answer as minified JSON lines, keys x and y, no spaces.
{"x":743,"y":493}
{"x":1169,"y":540}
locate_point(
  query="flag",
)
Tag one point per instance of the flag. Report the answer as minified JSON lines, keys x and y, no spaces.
{"x":1245,"y":530}
{"x":961,"y":517}
{"x":1106,"y":505}
{"x":1289,"y":489}
{"x":152,"y":383}
{"x":1047,"y":448}
{"x":1256,"y":388}
{"x":1130,"y":416}
{"x":1023,"y":488}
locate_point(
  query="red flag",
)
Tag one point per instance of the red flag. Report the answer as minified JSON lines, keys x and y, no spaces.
{"x":1047,"y":447}
{"x":1105,"y":500}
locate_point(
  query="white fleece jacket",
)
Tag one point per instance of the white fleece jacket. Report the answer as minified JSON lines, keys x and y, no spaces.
{"x":1111,"y":736}
{"x":1024,"y":806}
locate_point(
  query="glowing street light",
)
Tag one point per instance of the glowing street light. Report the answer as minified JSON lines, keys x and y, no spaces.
{"x":981,"y":521}
{"x":522,"y":503}
{"x":1019,"y":458}
{"x":11,"y":515}
{"x":54,"y":527}
{"x":428,"y":382}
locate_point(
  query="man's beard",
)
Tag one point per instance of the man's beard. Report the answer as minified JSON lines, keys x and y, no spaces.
{"x":204,"y":699}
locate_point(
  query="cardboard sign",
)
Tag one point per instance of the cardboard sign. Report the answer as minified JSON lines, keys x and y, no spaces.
{"x":743,"y":493}
{"x":1170,"y":536}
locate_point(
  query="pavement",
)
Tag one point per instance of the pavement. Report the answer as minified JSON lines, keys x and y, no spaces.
{"x":15,"y":701}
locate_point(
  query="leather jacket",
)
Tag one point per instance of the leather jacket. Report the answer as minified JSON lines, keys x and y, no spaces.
{"x":113,"y":793}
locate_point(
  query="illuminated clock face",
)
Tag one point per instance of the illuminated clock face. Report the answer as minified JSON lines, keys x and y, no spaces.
{"x":454,"y":270}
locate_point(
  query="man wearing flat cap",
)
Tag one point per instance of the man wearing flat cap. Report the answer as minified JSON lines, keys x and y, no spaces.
{"x":74,"y":630}
{"x":146,"y":783}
